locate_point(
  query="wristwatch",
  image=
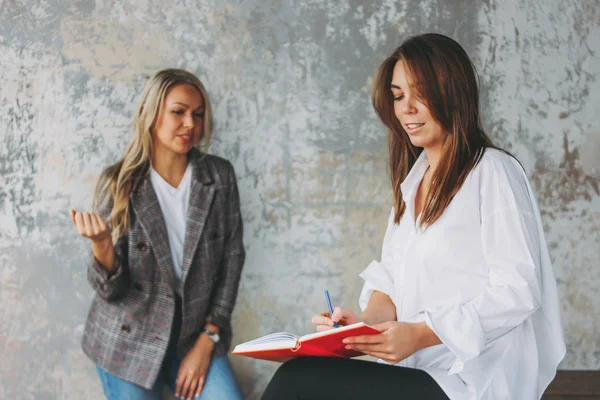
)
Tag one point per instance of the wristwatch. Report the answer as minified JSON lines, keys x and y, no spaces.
{"x":214,"y":336}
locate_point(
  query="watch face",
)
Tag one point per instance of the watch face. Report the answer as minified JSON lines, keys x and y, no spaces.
{"x":214,"y":336}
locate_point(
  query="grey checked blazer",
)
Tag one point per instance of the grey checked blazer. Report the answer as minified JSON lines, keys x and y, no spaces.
{"x":129,"y":323}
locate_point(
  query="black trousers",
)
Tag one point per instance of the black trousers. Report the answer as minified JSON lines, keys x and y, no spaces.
{"x":316,"y":378}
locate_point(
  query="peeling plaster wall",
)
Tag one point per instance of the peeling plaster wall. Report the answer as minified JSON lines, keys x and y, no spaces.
{"x":290,"y":85}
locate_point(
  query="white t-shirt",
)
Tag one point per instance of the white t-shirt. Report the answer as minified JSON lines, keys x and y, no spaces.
{"x":174,"y":205}
{"x":481,"y":278}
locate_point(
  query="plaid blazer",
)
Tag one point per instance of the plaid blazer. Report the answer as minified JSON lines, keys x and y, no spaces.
{"x":129,"y":323}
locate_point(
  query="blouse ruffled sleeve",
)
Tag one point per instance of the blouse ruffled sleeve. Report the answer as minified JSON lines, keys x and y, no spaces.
{"x":378,"y":275}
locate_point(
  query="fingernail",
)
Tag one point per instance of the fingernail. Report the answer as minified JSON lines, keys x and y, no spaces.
{"x":348,"y":347}
{"x":345,"y":341}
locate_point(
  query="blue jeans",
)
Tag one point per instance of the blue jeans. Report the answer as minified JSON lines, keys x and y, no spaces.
{"x":220,"y":383}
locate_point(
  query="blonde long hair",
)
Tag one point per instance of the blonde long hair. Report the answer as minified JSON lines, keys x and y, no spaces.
{"x":118,"y":181}
{"x":447,"y":83}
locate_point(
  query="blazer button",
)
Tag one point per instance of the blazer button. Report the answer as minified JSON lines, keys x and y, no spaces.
{"x":141,"y":246}
{"x":138,"y":286}
{"x":125,"y":328}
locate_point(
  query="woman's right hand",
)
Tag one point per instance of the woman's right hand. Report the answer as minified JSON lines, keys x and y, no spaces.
{"x":91,"y":226}
{"x":343,"y":316}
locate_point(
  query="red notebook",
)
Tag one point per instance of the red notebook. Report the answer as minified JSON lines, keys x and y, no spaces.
{"x":283,"y":346}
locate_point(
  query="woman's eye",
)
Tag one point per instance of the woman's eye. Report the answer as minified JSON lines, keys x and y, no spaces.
{"x":178,"y":112}
{"x":199,"y":115}
{"x":397,"y":98}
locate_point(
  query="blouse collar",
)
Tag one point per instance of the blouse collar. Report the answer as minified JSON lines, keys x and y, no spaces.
{"x":410,"y":184}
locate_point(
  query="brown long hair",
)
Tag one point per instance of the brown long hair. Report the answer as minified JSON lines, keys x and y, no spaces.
{"x":447,"y":84}
{"x":118,"y":181}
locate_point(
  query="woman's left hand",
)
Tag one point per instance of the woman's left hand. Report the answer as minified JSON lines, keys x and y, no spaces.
{"x":193,"y":369}
{"x":397,"y":341}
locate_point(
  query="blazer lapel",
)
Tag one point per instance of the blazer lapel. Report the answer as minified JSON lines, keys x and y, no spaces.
{"x":201,"y":196}
{"x":149,"y":214}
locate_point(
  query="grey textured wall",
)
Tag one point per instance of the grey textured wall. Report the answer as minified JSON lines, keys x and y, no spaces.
{"x":290,"y":84}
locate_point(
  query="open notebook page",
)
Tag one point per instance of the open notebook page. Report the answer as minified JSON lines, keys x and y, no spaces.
{"x":280,"y":340}
{"x":272,"y":341}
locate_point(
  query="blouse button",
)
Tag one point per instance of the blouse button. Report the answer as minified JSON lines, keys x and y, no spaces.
{"x":141,"y":246}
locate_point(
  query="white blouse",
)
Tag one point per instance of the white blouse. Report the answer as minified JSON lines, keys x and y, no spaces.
{"x":482,"y":280}
{"x":174,"y":206}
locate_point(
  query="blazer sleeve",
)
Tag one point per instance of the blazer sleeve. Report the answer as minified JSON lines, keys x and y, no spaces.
{"x":234,"y":255}
{"x":109,"y":285}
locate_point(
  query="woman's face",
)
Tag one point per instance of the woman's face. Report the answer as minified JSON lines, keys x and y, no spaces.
{"x":422,"y":129}
{"x":180,"y":122}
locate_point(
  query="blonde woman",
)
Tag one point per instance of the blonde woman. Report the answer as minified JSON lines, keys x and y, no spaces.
{"x":166,"y":236}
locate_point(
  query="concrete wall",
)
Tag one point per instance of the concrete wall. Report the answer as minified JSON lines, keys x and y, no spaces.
{"x":290,"y":84}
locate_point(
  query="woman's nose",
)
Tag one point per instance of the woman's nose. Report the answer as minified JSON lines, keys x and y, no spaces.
{"x":409,"y":105}
{"x":188,"y":121}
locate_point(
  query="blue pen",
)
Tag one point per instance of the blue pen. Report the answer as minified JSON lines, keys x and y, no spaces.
{"x":335,"y":325}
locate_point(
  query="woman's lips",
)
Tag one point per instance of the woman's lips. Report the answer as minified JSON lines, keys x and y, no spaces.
{"x":413,"y":126}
